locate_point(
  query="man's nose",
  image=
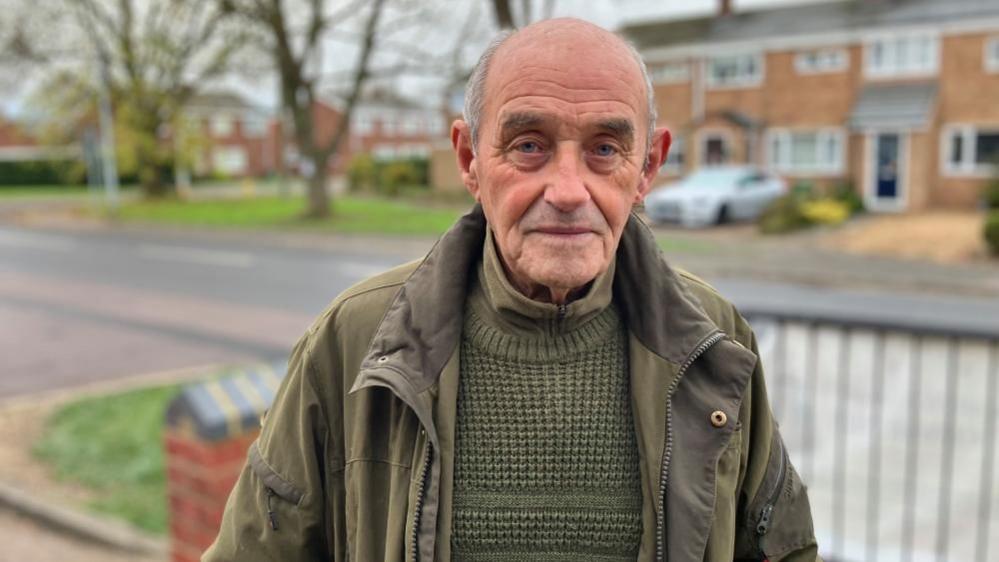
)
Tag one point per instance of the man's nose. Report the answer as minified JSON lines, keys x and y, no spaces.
{"x":566,"y":190}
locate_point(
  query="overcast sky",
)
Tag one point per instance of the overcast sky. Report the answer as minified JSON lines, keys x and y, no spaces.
{"x":610,"y":14}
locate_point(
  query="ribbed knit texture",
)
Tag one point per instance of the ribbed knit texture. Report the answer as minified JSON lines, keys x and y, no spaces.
{"x":546,"y":461}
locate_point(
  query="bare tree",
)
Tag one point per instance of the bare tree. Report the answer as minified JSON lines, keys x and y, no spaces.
{"x":295,"y":47}
{"x":507,"y":18}
{"x":157,"y":54}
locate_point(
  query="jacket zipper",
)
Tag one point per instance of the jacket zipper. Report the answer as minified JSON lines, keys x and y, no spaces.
{"x":420,"y":494}
{"x":668,"y":449}
{"x":766,"y":513}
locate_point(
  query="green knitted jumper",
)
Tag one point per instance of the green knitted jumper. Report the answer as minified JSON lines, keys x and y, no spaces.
{"x":546,"y":462}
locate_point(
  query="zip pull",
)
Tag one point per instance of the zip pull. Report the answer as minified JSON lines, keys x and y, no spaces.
{"x":270,"y":510}
{"x":562,"y":311}
{"x":764,"y":525}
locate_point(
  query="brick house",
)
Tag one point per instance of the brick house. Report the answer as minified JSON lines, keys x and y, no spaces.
{"x":384,"y":125}
{"x":235,"y":138}
{"x":896,"y":97}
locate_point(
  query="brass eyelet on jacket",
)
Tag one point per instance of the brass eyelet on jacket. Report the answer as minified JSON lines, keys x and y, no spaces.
{"x":719,"y":418}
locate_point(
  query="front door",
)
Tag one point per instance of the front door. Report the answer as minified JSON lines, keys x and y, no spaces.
{"x":886,"y":181}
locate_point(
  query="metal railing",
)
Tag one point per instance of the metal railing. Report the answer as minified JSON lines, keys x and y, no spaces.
{"x":892,"y":425}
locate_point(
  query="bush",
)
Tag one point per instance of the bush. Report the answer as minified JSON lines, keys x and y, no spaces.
{"x":826,"y":211}
{"x":992,"y":194}
{"x":991,"y":231}
{"x":784,"y":215}
{"x":362,"y":173}
{"x":42,"y":172}
{"x":845,"y":193}
{"x":397,"y":174}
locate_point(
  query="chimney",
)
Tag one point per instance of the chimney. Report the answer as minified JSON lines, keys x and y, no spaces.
{"x":724,"y":7}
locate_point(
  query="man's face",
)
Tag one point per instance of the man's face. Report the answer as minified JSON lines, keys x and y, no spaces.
{"x":560,"y":154}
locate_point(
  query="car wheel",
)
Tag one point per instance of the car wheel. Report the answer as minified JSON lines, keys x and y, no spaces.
{"x":722,"y":214}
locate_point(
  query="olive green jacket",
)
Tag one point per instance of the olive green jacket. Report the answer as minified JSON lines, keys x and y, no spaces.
{"x":354,"y":461}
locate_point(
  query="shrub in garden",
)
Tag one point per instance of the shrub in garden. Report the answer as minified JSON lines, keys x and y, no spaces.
{"x":826,"y":211}
{"x":847,"y":194}
{"x":361,"y":173}
{"x":393,"y":176}
{"x":991,"y":231}
{"x":784,"y":215}
{"x":992,"y":194}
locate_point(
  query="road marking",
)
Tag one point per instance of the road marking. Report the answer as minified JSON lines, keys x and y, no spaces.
{"x":36,"y":241}
{"x":198,"y":256}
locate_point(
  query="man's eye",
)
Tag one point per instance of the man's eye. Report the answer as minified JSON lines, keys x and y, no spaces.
{"x":605,"y":150}
{"x":529,"y":147}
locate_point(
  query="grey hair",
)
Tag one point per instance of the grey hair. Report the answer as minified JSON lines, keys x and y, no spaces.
{"x":475,"y":90}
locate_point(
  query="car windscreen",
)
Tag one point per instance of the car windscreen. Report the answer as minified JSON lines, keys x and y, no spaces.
{"x":715,"y":177}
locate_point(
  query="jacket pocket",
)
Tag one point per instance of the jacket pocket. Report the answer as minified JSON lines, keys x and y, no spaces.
{"x":780,"y":516}
{"x":276,"y":488}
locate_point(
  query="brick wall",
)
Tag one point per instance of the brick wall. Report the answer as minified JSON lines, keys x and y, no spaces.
{"x":209,"y":427}
{"x":200,"y":475}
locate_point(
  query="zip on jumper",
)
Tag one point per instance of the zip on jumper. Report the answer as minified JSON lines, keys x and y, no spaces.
{"x":705,"y":344}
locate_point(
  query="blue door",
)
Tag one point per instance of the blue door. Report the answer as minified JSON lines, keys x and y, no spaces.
{"x":887,"y":166}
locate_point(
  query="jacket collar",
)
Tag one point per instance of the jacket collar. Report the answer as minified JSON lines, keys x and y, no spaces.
{"x":422,"y":326}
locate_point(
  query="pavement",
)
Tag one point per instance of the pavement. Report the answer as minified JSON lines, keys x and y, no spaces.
{"x":88,"y":302}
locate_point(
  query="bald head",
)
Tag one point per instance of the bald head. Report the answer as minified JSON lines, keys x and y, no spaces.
{"x":551,"y":42}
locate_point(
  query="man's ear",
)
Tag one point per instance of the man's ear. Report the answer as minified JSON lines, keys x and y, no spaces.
{"x":661,"y":139}
{"x":461,"y":140}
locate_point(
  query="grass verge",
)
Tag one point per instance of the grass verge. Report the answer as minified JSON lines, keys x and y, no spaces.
{"x":113,"y":446}
{"x":41,"y":191}
{"x":349,"y":215}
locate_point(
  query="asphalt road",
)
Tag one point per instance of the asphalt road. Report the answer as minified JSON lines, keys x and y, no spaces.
{"x":82,"y":306}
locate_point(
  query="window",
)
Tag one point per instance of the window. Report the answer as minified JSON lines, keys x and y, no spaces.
{"x":412,"y":126}
{"x":715,"y":149}
{"x":255,"y":127}
{"x":806,"y":152}
{"x":675,"y":158}
{"x":821,"y":60}
{"x":992,"y":55}
{"x":735,"y":71}
{"x":362,"y":124}
{"x":229,"y":160}
{"x":903,"y":55}
{"x":971,"y":151}
{"x":670,"y":72}
{"x":221,"y":125}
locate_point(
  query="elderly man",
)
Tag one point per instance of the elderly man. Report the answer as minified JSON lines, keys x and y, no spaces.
{"x":541,"y":386}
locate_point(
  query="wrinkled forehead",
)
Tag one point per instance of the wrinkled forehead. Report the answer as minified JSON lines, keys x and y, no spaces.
{"x":573,"y":64}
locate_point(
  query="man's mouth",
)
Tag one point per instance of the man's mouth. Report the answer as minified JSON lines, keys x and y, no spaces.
{"x":563,"y":230}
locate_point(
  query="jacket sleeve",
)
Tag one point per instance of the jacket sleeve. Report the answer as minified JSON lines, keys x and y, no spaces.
{"x":775,"y":523}
{"x":277,"y":510}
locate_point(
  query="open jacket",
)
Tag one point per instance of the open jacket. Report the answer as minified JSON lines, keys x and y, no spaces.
{"x":354,"y":461}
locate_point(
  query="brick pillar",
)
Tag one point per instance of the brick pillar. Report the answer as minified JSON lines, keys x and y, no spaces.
{"x":210,"y":425}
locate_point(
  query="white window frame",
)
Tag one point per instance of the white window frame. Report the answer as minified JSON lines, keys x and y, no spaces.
{"x":222,"y":125}
{"x":841,"y":61}
{"x":362,"y":124}
{"x":669,"y":72}
{"x":230,"y":160}
{"x":990,"y":58}
{"x":781,"y":163}
{"x":746,"y":81}
{"x":967,"y":167}
{"x":891,"y":42}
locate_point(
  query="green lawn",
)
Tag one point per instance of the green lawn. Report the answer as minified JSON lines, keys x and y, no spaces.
{"x":27,"y":191}
{"x":350,"y":215}
{"x":686,"y":245}
{"x":113,"y":445}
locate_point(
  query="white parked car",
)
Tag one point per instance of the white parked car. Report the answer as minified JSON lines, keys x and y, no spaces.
{"x":715,"y":195}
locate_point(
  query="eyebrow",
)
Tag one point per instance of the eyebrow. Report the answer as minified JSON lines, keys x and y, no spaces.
{"x":516,"y":122}
{"x":621,"y":128}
